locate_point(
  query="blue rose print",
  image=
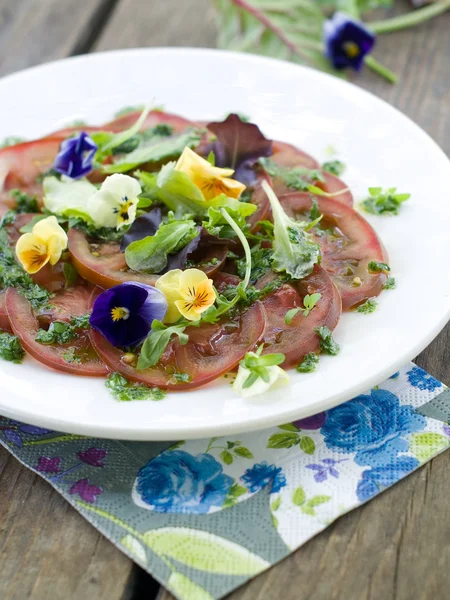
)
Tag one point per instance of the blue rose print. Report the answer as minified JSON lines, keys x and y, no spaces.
{"x":375,"y":480}
{"x":422,"y":380}
{"x":373,"y":426}
{"x":260,"y":475}
{"x":178,"y":482}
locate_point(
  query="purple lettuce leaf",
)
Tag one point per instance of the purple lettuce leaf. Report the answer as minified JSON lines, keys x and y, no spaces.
{"x":238,"y":146}
{"x":144,"y":226}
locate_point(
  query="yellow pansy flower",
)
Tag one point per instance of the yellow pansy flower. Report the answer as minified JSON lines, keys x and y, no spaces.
{"x":211,"y":180}
{"x":188,"y":293}
{"x":44,"y":244}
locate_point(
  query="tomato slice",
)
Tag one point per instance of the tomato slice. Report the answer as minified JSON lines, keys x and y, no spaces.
{"x":4,"y":319}
{"x":287,"y":155}
{"x":21,"y":164}
{"x":25,"y":325}
{"x":72,"y":302}
{"x":154,"y":117}
{"x":348,"y":243}
{"x":212,"y":350}
{"x":298,"y":338}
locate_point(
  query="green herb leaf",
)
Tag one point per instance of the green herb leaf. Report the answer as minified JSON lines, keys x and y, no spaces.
{"x":149,"y":255}
{"x":377,"y":267}
{"x":327,"y":343}
{"x":335,"y":167}
{"x":385,"y":202}
{"x":310,"y":301}
{"x":60,"y":332}
{"x":288,"y":427}
{"x":157,"y":341}
{"x":227,"y":457}
{"x":309,"y":363}
{"x":275,"y":504}
{"x":243,"y":452}
{"x":368,"y":306}
{"x":296,"y":178}
{"x":283,"y":440}
{"x":294,"y":252}
{"x":318,"y":500}
{"x":70,"y":274}
{"x":390,"y":284}
{"x":124,"y":391}
{"x":291,"y":314}
{"x":24,"y":202}
{"x":10,"y":348}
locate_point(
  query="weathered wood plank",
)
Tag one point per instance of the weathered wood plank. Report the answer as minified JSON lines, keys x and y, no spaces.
{"x":37,"y":31}
{"x":137,"y":23}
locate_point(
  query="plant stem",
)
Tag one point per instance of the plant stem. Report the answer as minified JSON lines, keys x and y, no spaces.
{"x":410,"y":19}
{"x":380,"y":69}
{"x":243,"y":240}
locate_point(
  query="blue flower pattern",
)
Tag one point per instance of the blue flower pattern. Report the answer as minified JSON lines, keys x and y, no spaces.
{"x":374,"y":426}
{"x":422,"y":380}
{"x":375,"y":480}
{"x":263,"y":474}
{"x":177,"y":482}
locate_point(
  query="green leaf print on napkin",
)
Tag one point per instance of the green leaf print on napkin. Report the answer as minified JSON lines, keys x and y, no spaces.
{"x":307,"y":506}
{"x":425,"y":445}
{"x":185,"y":588}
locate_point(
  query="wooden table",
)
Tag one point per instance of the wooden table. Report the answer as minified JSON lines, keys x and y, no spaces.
{"x":395,"y":547}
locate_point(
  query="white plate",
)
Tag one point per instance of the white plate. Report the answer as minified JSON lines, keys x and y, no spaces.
{"x":381,"y":148}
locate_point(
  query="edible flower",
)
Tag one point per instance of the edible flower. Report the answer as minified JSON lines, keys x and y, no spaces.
{"x":258,"y":373}
{"x":189,"y":293}
{"x":347,"y":41}
{"x":75,"y":156}
{"x":44,"y":244}
{"x":115,"y":203}
{"x":211,"y":180}
{"x":124,"y":314}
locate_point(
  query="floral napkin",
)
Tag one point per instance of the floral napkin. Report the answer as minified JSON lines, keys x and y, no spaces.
{"x":205,"y":516}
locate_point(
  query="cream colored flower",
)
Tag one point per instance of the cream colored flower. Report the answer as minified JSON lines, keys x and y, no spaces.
{"x":115,"y":203}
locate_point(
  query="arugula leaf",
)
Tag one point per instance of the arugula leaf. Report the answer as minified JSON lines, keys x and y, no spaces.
{"x":150,"y":254}
{"x":10,"y":348}
{"x":238,"y":145}
{"x":156,"y":342}
{"x":124,"y":391}
{"x":335,"y":167}
{"x":368,"y":306}
{"x":158,"y":148}
{"x":309,"y":363}
{"x":216,"y":224}
{"x":386,"y":202}
{"x":294,"y":252}
{"x":327,"y":343}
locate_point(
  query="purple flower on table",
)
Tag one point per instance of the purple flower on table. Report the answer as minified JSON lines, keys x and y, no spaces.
{"x":87,"y":491}
{"x":178,"y":482}
{"x":423,"y":380}
{"x":374,"y":426}
{"x":75,"y":156}
{"x":93,"y":457}
{"x":375,"y":480}
{"x":261,"y":475}
{"x":326,"y":468}
{"x":13,"y":429}
{"x":347,"y":41}
{"x":124,"y":314}
{"x":313,"y":422}
{"x":48,"y":465}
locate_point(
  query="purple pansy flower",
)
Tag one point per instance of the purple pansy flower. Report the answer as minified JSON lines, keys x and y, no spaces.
{"x":87,"y":491}
{"x":124,"y":313}
{"x":347,"y":41}
{"x":75,"y":156}
{"x":313,"y":422}
{"x":93,"y":457}
{"x":48,"y":465}
{"x":326,"y":468}
{"x":261,"y":475}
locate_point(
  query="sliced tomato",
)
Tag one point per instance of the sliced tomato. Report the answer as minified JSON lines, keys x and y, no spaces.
{"x":72,"y":302}
{"x":348,"y":243}
{"x":4,"y":319}
{"x":20,"y":165}
{"x":259,"y":197}
{"x":287,"y":155}
{"x":298,"y":338}
{"x":212,"y":350}
{"x":70,"y":131}
{"x":25,"y":325}
{"x":155,"y":117}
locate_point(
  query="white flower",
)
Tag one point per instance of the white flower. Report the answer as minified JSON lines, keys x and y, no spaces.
{"x":115,"y":203}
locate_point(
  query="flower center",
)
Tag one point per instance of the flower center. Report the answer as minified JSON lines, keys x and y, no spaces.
{"x":119,"y":313}
{"x":123,"y":214}
{"x":351,"y":49}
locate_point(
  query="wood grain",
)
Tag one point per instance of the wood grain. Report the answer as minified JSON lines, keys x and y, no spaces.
{"x":395,"y":547}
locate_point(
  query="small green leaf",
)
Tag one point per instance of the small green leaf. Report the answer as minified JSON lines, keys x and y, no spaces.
{"x":425,"y":445}
{"x":244,"y":452}
{"x":367,"y":307}
{"x":299,"y":497}
{"x":70,"y":274}
{"x":275,"y":521}
{"x":308,"y":510}
{"x":288,"y":427}
{"x":307,"y":445}
{"x":309,"y":363}
{"x":227,"y":457}
{"x":275,"y":504}
{"x":377,"y":267}
{"x":290,"y":315}
{"x":318,"y":500}
{"x":390,"y":284}
{"x":283,"y":440}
